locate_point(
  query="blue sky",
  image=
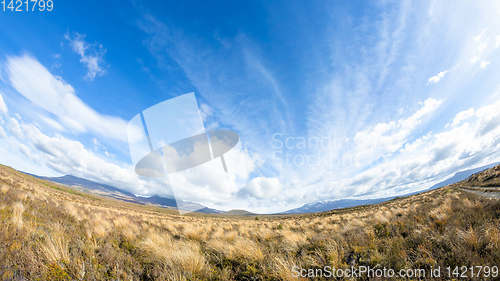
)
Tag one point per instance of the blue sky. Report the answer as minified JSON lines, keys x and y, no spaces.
{"x":331,"y":99}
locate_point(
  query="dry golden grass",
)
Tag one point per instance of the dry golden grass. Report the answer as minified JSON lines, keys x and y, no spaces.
{"x":49,"y":232}
{"x":55,"y":246}
{"x":17,"y":214}
{"x":4,"y":188}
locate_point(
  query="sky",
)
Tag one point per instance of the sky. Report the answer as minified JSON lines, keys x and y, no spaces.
{"x":331,"y":99}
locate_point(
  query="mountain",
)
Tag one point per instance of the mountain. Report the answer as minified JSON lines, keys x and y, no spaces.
{"x":119,"y":194}
{"x":460,"y":176}
{"x":328,"y":205}
{"x":170,"y":202}
{"x":314,"y":207}
{"x":158,"y":200}
{"x":239,"y":213}
{"x":83,"y":183}
{"x":93,"y":187}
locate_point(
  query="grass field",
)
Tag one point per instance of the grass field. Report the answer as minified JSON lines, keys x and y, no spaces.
{"x":50,"y":232}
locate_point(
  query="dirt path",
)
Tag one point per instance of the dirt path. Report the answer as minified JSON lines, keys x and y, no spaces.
{"x":489,"y":194}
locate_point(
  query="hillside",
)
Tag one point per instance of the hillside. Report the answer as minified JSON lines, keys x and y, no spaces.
{"x":104,"y":190}
{"x":488,"y":178}
{"x":238,"y":213}
{"x":51,"y":232}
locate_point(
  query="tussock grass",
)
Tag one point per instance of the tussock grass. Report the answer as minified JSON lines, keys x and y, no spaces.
{"x":49,"y":232}
{"x":17,"y":214}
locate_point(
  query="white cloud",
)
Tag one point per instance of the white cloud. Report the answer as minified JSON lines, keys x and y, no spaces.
{"x":488,"y":112}
{"x":14,"y":127}
{"x":435,"y":156}
{"x":437,"y":78}
{"x":474,"y":59}
{"x":51,"y":122}
{"x":31,"y":79}
{"x":463,"y":115}
{"x":208,"y":182}
{"x":344,"y":100}
{"x":92,"y":55}
{"x":497,"y":41}
{"x":97,"y":144}
{"x":2,"y":133}
{"x":482,"y":46}
{"x":3,"y":106}
{"x":389,"y":137}
{"x":479,"y":36}
{"x":261,"y":187}
{"x":70,"y":157}
{"x":109,"y":155}
{"x":484,"y":64}
{"x":205,"y":111}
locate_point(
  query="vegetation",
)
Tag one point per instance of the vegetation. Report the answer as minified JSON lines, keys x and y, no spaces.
{"x":488,"y":178}
{"x":49,"y":232}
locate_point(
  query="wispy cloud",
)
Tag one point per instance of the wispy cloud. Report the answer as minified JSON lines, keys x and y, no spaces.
{"x":437,"y":78}
{"x":3,"y":106}
{"x":482,"y":46}
{"x":227,"y":85}
{"x":91,"y":55}
{"x":69,"y":156}
{"x":463,"y":115}
{"x":32,"y":80}
{"x":378,"y":162}
{"x":369,"y":94}
{"x":484,"y":64}
{"x":25,"y":145}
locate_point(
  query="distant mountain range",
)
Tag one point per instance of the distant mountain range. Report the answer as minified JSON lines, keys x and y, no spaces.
{"x":239,"y":213}
{"x":460,"y":176}
{"x":116,"y":193}
{"x":329,"y":205}
{"x":315,"y":207}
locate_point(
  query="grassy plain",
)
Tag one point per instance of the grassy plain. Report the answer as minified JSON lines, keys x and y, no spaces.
{"x":50,"y":232}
